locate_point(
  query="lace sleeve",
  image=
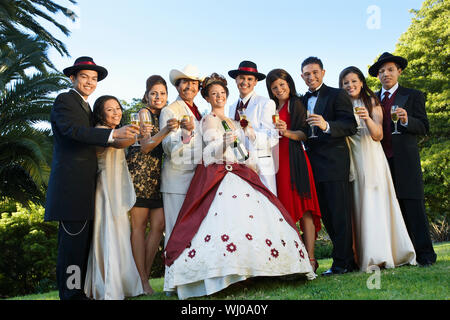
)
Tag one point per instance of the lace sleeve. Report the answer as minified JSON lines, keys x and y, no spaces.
{"x":213,"y":139}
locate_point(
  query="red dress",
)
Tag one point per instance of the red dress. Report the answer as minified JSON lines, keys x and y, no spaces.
{"x":287,"y":193}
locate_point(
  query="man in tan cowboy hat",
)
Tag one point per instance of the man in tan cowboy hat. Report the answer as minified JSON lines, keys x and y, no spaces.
{"x":182,"y":148}
{"x":71,"y":188}
{"x":259,"y":111}
{"x":402,"y":151}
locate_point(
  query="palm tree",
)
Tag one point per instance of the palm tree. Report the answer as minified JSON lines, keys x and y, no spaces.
{"x":25,"y":150}
{"x":20,"y":52}
{"x":26,"y":89}
{"x":25,"y":100}
{"x":19,"y":14}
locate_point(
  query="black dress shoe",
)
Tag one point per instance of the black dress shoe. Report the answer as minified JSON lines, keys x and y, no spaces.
{"x":425,"y":264}
{"x":334,"y":270}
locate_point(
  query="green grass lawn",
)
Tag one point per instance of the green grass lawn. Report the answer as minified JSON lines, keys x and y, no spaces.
{"x":403,"y":283}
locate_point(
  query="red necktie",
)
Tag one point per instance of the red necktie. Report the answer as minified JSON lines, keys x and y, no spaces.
{"x":385,"y":98}
{"x":241,"y":106}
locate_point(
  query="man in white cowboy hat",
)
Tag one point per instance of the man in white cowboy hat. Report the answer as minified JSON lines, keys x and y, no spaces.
{"x":259,"y":111}
{"x":71,"y":187}
{"x":182,"y":148}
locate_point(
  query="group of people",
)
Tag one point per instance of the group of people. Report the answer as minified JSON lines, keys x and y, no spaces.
{"x":227,"y":191}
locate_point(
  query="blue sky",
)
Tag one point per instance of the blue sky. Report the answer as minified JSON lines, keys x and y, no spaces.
{"x":137,"y":38}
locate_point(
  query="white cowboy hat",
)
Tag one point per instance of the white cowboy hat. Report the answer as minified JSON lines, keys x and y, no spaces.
{"x":188,"y":72}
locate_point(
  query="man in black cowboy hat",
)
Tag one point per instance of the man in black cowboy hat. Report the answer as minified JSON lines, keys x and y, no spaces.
{"x":402,"y":151}
{"x":71,"y":188}
{"x":259,"y":111}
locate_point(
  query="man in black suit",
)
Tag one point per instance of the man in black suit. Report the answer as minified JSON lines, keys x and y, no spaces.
{"x":331,"y":114}
{"x":402,"y":151}
{"x":71,"y":188}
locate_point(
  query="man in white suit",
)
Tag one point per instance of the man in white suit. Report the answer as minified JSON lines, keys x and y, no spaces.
{"x":259,"y":111}
{"x":182,"y":148}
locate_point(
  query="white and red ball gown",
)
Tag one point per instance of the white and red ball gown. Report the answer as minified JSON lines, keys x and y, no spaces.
{"x":381,"y":237}
{"x":111,"y":272}
{"x":230,"y":227}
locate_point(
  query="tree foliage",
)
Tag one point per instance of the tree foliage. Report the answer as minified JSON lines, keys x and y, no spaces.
{"x":19,"y":15}
{"x":26,"y":89}
{"x":425,"y":46}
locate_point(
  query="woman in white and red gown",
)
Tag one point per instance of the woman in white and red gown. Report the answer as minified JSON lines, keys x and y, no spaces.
{"x":230,"y":227}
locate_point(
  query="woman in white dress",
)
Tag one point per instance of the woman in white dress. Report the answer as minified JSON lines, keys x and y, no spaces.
{"x":381,"y":237}
{"x":111,"y":271}
{"x":230,"y":226}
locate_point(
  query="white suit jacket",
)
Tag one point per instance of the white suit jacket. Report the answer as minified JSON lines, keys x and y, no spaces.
{"x":180,"y":160}
{"x":259,"y":113}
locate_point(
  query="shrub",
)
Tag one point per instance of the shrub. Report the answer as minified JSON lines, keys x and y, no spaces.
{"x":436,"y":178}
{"x":28,"y":249}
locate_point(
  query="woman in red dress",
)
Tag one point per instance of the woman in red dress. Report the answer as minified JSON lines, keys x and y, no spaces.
{"x":295,"y":182}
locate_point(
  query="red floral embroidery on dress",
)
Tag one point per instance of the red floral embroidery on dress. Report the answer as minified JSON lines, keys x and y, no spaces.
{"x":220,"y":193}
{"x":191,"y":253}
{"x":281,"y":220}
{"x":250,"y":216}
{"x":225,"y":237}
{"x":268,"y":242}
{"x":302,"y":254}
{"x":274,"y":253}
{"x":231,"y":247}
{"x":249,"y":236}
{"x":234,"y":196}
{"x":296,"y":244}
{"x":247,"y":195}
{"x":207,"y":238}
{"x":283,"y":243}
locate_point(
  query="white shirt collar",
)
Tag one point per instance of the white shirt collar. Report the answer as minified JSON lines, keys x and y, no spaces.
{"x":80,"y":95}
{"x":391,"y":90}
{"x":247,"y":97}
{"x":318,"y":88}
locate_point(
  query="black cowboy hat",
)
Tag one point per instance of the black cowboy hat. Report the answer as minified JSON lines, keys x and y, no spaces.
{"x":247,"y":67}
{"x":387,"y":57}
{"x":86,"y":63}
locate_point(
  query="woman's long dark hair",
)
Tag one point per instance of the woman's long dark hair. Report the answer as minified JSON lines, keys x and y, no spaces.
{"x":366,"y":94}
{"x":99,"y":109}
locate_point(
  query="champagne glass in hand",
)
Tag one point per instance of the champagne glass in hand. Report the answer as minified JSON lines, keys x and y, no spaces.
{"x":275,"y":118}
{"x":312,"y":126}
{"x":243,"y":119}
{"x":358,"y":119}
{"x":394,"y":117}
{"x":147,"y":121}
{"x":134,"y":119}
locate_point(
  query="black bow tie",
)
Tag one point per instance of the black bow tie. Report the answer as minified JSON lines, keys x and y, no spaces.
{"x":310,"y":94}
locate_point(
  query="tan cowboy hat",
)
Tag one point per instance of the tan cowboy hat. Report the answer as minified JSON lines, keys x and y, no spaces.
{"x":188,"y":72}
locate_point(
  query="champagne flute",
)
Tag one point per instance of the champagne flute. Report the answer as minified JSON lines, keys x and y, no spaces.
{"x":358,"y":119}
{"x":134,"y":119}
{"x":275,"y":119}
{"x":185,"y":138}
{"x":243,"y":119}
{"x":147,"y":120}
{"x":312,"y":126}
{"x":394,"y":117}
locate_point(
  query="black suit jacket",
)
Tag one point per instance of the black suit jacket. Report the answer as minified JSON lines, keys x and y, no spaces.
{"x":329,"y":153}
{"x":407,"y":169}
{"x":71,"y":188}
